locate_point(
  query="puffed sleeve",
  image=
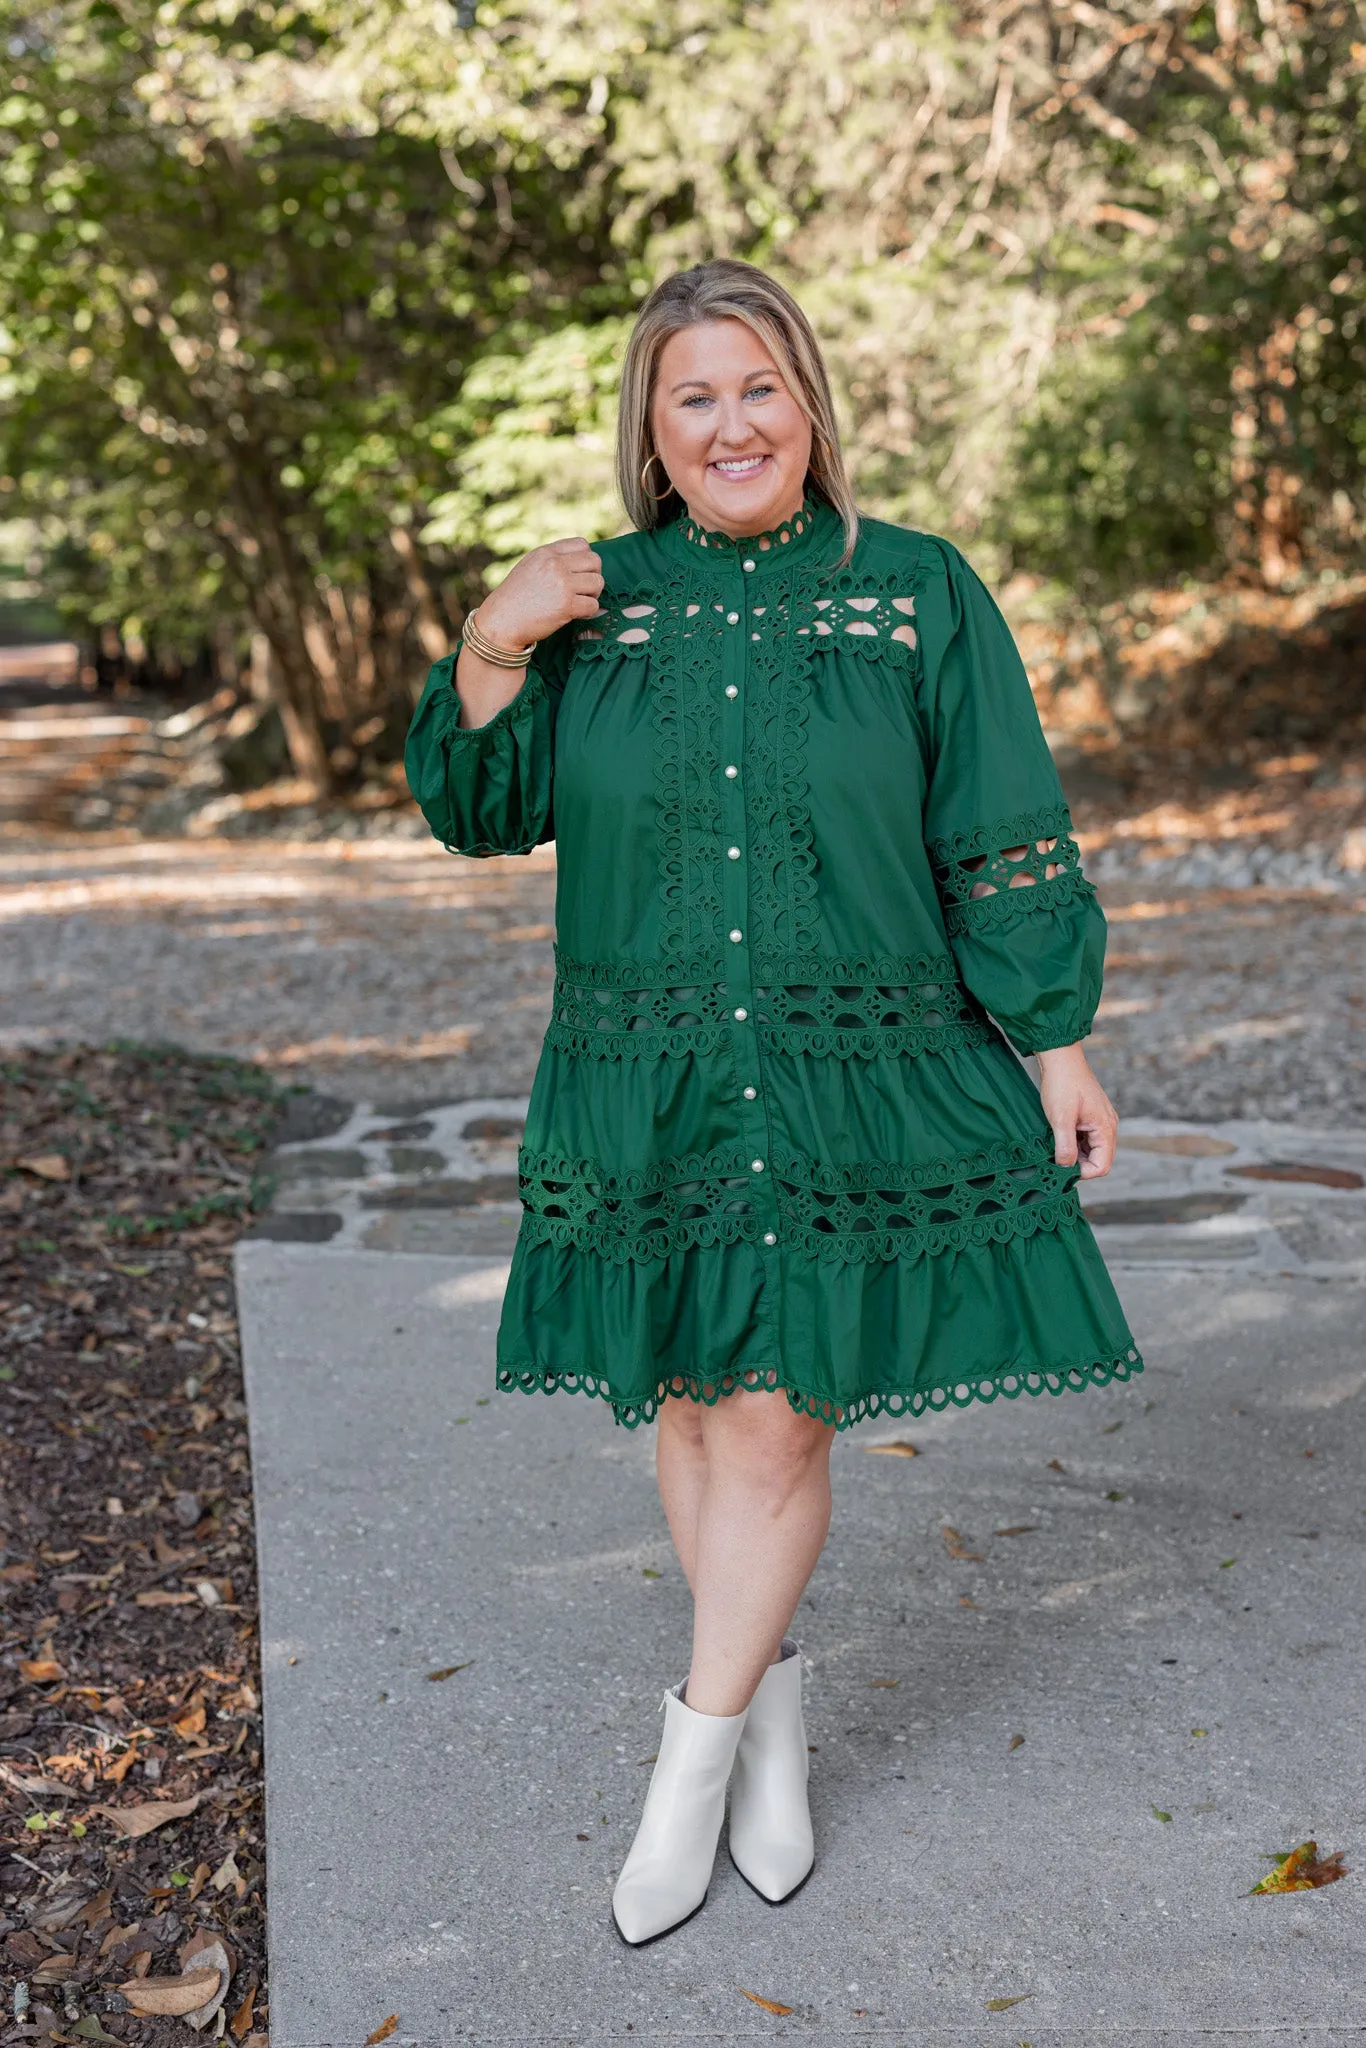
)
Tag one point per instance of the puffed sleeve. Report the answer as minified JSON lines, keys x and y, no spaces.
{"x":1024,"y":923}
{"x":489,"y":788}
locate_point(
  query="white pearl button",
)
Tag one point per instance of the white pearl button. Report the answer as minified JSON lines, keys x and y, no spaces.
{"x":736,"y":936}
{"x":732,"y":773}
{"x":746,"y":565}
{"x":732,"y":618}
{"x":732,"y":853}
{"x":754,"y":636}
{"x":750,"y":1094}
{"x":742,"y":1014}
{"x":732,"y":689}
{"x":770,"y":1237}
{"x":756,"y":1165}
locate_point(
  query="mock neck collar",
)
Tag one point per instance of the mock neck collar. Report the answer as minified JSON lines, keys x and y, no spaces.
{"x":808,"y":527}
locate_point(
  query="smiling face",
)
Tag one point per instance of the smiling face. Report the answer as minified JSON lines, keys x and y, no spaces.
{"x":729,"y":432}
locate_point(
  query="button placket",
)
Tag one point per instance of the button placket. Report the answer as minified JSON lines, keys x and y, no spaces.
{"x":735,"y":914}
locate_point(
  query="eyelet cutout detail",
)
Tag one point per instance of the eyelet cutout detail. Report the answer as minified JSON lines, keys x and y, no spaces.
{"x":839,"y":1214}
{"x":844,"y":1009}
{"x":865,"y":617}
{"x":1020,"y":866}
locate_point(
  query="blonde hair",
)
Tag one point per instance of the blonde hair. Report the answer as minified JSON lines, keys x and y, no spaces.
{"x":727,"y":290}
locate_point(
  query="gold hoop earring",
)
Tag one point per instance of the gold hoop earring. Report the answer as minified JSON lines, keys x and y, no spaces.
{"x":650,"y":462}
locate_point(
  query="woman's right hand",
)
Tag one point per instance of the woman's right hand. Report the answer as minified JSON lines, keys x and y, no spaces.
{"x":541,"y":593}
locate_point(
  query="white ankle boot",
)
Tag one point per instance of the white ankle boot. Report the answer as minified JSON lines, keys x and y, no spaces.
{"x":665,"y":1876}
{"x":770,"y":1823}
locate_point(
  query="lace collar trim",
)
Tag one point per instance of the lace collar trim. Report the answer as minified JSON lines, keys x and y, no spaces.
{"x":756,"y":549}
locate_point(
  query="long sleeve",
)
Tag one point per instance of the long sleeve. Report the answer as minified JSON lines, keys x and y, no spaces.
{"x":1024,"y":923}
{"x":488,"y":788}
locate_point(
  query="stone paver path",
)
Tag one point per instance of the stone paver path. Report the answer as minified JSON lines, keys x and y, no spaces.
{"x":442,"y":1177}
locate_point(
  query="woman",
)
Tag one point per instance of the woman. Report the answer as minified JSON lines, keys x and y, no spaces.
{"x":781,"y":1169}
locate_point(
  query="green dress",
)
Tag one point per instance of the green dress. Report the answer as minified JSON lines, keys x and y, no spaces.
{"x":776,"y":1135}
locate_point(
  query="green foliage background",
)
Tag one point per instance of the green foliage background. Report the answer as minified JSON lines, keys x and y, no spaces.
{"x":310,"y":313}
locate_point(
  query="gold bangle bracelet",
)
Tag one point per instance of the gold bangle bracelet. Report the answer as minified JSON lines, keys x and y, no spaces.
{"x":488,"y":650}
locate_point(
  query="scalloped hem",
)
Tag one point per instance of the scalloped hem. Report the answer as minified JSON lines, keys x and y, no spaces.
{"x":912,"y":1401}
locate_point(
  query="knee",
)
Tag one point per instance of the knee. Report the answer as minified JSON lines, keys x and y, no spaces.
{"x":759,"y":1438}
{"x":680,"y":1424}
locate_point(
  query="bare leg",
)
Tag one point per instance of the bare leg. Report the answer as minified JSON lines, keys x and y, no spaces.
{"x":746,"y":1488}
{"x":681,"y":1469}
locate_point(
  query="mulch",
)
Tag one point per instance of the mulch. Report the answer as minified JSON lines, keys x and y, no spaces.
{"x":129,"y":1672}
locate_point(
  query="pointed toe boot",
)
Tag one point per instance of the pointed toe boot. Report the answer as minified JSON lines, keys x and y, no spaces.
{"x":770,"y":1822}
{"x":665,"y":1876}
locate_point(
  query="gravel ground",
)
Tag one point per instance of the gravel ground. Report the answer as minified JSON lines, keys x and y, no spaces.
{"x":389,"y":971}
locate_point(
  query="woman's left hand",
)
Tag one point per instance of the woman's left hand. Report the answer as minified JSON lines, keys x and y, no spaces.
{"x":1081,"y":1113}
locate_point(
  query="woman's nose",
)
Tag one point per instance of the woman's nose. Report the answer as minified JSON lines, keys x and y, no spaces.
{"x":733,"y":425}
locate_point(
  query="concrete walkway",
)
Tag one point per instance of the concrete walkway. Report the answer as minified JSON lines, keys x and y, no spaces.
{"x":1168,"y":1606}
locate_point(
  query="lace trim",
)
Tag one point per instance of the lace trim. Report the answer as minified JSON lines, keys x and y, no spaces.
{"x":1018,"y":867}
{"x":1007,"y":907}
{"x":848,"y":1009}
{"x":782,"y":848}
{"x":749,"y":544}
{"x":874,"y":622}
{"x":973,"y":865}
{"x":1007,"y":1384}
{"x":862,"y":1212}
{"x":876,"y":1211}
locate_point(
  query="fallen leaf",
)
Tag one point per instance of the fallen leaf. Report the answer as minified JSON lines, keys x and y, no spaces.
{"x":40,"y":1670}
{"x":36,"y":1786}
{"x":1015,"y":1742}
{"x":647,"y":1571}
{"x":160,"y":1597}
{"x":1111,"y":1427}
{"x":1303,"y":1870}
{"x":58,"y":1914}
{"x":966,"y":1600}
{"x":118,"y":1934}
{"x":191,"y":1722}
{"x":885,"y":1683}
{"x":47,"y":1166}
{"x":95,"y":1909}
{"x":766,"y":2004}
{"x":1115,"y":1494}
{"x":198,"y":1880}
{"x":382,"y":2031}
{"x":1225,"y":1562}
{"x":1055,"y":1465}
{"x":953,"y":1543}
{"x":1017,"y":1529}
{"x":240,"y":2023}
{"x":118,"y":1771}
{"x":176,"y":1996}
{"x":1004,"y":2004}
{"x":1158,"y":1814}
{"x":89,"y":2029}
{"x":206,"y":1951}
{"x":18,"y":1574}
{"x":1199,"y":1731}
{"x":151,"y":1813}
{"x":449,"y":1671}
{"x":899,"y":1449}
{"x":227,"y":1873}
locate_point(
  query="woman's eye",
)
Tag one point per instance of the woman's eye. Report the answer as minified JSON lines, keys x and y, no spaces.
{"x":761,"y":391}
{"x":697,"y":398}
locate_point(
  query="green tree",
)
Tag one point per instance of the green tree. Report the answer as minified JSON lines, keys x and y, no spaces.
{"x":232,"y":332}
